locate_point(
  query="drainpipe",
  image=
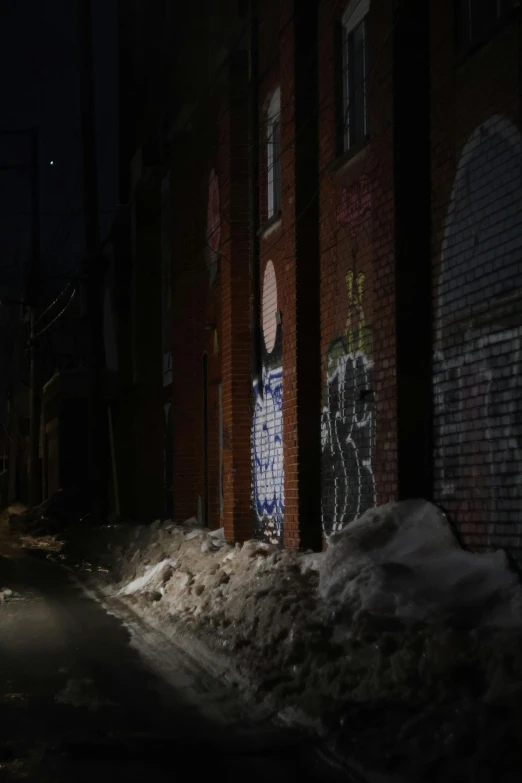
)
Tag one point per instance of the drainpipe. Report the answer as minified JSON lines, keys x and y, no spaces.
{"x":255,"y":286}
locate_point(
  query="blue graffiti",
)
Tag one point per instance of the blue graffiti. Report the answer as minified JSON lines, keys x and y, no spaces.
{"x":267,"y":449}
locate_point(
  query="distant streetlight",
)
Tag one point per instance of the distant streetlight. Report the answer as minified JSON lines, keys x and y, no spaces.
{"x":51,"y":163}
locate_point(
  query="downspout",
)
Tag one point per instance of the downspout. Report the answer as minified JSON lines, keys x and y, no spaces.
{"x":255,"y":286}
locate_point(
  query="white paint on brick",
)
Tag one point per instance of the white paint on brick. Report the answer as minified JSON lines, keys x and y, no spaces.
{"x":267,"y":422}
{"x":347,"y":442}
{"x":478,"y":359}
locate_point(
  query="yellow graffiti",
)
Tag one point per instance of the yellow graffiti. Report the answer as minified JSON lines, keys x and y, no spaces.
{"x":355,"y":322}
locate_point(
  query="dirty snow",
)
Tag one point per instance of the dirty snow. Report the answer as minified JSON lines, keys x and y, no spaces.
{"x":393,"y":638}
{"x":394,"y":626}
{"x":161,"y":572}
{"x":403,"y":560}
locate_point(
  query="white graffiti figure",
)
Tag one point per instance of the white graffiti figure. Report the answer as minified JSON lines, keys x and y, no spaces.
{"x":347,"y":433}
{"x":267,"y":423}
{"x":267,"y":447}
{"x":347,"y":420}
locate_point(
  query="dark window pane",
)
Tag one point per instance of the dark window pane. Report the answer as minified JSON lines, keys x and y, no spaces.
{"x":484,"y":17}
{"x":367,"y":80}
{"x":276,"y":140}
{"x":509,"y":5}
{"x":477,"y":20}
{"x":346,"y":86}
{"x":339,"y":87}
{"x":462,"y":24}
{"x":356,"y":59}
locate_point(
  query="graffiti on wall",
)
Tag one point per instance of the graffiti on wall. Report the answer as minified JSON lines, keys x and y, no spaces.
{"x":478,"y":358}
{"x":347,"y":421}
{"x":213,"y":237}
{"x":267,"y":424}
{"x":355,"y":205}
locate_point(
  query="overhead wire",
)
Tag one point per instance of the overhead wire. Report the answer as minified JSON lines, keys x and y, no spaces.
{"x":57,"y":317}
{"x":59,"y":239}
{"x":49,"y":307}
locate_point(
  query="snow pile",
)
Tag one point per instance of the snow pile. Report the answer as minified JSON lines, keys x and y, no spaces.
{"x":393,"y":633}
{"x":392,"y":597}
{"x":255,"y":602}
{"x":402,"y":560}
{"x":159,"y":573}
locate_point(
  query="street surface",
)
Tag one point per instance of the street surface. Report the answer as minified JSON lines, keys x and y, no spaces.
{"x":79,"y":702}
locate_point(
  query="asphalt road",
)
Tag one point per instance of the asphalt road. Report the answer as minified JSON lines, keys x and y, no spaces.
{"x":79,"y":702}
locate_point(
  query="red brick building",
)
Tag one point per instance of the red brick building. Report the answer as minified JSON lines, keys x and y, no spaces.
{"x":329,"y":202}
{"x":476,"y":159}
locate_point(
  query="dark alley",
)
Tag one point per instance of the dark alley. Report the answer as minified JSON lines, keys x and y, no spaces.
{"x":261,"y":390}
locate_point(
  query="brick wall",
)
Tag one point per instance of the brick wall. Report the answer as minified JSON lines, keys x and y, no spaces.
{"x":196,"y":331}
{"x":358,"y":412}
{"x":338,"y":417}
{"x":285,"y":442}
{"x":268,"y":463}
{"x":211,"y":316}
{"x":235,"y":298}
{"x":477,"y":247}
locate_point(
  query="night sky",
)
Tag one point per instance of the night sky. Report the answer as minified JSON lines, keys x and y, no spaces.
{"x":39,"y":85}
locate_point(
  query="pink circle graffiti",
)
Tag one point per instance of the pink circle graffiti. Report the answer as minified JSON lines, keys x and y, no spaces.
{"x":355,"y":206}
{"x":269,"y":314}
{"x":213,"y":218}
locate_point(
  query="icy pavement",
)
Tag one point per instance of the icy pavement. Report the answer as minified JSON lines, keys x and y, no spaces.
{"x":79,"y":700}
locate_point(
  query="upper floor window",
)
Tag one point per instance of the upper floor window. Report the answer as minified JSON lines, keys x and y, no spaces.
{"x":478,"y":20}
{"x":274,"y":154}
{"x":354,"y":66}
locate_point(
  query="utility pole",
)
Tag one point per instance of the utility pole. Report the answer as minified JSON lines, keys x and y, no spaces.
{"x":98,"y":426}
{"x":33,"y":289}
{"x":90,"y":170}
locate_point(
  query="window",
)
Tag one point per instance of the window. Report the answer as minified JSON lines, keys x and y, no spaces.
{"x":478,"y":20}
{"x":354,"y":67}
{"x":274,"y":154}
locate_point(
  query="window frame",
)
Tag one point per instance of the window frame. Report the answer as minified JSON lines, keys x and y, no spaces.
{"x":273,"y":155}
{"x":355,"y":15}
{"x":465,"y":41}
